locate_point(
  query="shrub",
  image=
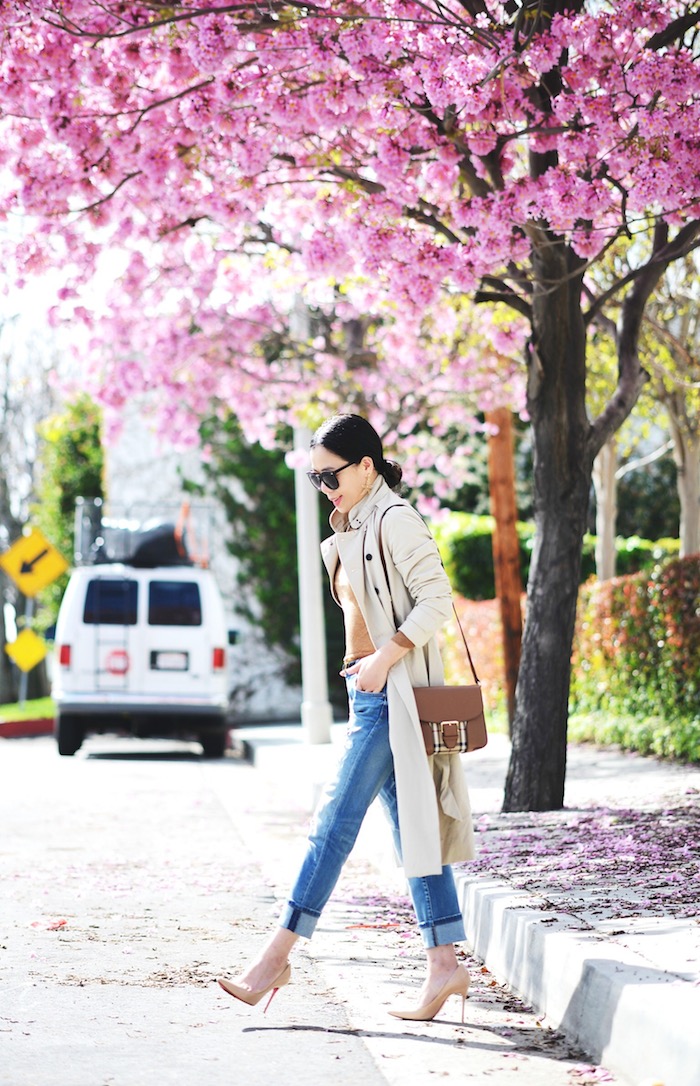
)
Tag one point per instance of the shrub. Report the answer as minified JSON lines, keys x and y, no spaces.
{"x":465,"y":545}
{"x":467,"y":552}
{"x":637,"y":657}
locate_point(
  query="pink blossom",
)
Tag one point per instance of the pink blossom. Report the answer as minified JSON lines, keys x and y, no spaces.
{"x":380,"y":167}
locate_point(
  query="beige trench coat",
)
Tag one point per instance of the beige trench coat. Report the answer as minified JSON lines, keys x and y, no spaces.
{"x":433,"y":802}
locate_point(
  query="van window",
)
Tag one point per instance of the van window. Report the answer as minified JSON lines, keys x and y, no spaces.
{"x":111,"y":601}
{"x":174,"y":603}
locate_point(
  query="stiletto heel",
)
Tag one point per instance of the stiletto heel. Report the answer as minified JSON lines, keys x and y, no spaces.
{"x":458,"y":984}
{"x":252,"y":998}
{"x":273,"y":993}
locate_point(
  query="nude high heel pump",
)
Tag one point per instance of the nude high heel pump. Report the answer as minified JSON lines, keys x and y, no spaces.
{"x":246,"y":995}
{"x":458,"y":984}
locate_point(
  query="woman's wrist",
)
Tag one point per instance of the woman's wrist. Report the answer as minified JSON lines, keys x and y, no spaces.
{"x":392,"y":652}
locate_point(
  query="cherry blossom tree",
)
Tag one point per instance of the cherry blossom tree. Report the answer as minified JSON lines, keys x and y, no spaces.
{"x":419,"y":151}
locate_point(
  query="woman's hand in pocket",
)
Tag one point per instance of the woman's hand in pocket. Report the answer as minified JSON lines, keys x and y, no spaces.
{"x":372,"y":670}
{"x":370,"y":673}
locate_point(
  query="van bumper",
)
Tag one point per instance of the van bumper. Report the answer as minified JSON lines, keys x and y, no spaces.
{"x":188,"y":720}
{"x":111,"y":705}
{"x":177,"y":719}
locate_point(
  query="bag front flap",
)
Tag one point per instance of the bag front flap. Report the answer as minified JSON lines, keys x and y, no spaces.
{"x":436,"y":703}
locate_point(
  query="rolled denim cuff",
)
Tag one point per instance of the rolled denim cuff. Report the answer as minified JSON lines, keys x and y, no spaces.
{"x":444,"y":932}
{"x":298,"y":920}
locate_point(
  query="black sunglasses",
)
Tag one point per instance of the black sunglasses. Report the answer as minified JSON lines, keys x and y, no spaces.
{"x":327,"y":478}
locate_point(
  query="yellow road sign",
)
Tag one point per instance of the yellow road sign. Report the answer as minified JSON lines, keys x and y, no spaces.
{"x":27,"y":650}
{"x":33,"y":563}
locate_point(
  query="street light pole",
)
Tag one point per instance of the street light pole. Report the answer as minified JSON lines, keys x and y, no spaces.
{"x":316,"y":713}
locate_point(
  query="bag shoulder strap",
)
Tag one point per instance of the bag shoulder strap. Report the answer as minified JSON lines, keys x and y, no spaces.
{"x":386,"y":578}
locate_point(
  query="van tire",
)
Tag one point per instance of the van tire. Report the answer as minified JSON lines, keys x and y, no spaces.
{"x":69,"y":734}
{"x":214,"y":744}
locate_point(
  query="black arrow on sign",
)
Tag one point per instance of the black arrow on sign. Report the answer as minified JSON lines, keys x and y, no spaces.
{"x":28,"y":567}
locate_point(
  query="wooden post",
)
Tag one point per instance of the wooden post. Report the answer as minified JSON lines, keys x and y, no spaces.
{"x":506,"y":551}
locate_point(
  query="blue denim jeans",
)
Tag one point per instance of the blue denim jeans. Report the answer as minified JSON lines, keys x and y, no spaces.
{"x":365,"y":771}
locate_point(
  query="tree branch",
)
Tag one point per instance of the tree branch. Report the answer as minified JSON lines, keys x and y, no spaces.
{"x":105,"y":198}
{"x":501,"y":292}
{"x":425,"y":214}
{"x":631,"y":375}
{"x":605,"y":323}
{"x":686,"y":358}
{"x":345,"y":174}
{"x":685,"y":241}
{"x":674,"y":31}
{"x":272,"y":19}
{"x":634,"y":465}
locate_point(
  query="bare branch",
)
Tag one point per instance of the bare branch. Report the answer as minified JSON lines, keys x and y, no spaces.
{"x":631,"y":375}
{"x":643,"y":461}
{"x":684,"y":243}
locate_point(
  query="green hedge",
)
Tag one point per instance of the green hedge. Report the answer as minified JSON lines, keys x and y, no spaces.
{"x":636,"y":662}
{"x":465,"y":545}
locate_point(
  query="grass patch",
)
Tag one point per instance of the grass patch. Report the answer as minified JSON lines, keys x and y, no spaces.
{"x":679,"y":741}
{"x":38,"y":709}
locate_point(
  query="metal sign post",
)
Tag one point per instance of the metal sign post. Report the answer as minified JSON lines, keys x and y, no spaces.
{"x":33,"y":563}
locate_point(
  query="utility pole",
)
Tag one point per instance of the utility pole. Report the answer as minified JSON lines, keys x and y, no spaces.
{"x":506,"y":550}
{"x":316,"y":712}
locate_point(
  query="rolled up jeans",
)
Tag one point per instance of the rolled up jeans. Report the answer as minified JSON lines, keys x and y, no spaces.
{"x":365,"y":771}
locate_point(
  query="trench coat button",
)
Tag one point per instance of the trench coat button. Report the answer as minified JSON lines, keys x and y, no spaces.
{"x":368,"y":557}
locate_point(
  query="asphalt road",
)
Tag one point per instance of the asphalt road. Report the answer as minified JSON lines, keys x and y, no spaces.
{"x":134,"y":873}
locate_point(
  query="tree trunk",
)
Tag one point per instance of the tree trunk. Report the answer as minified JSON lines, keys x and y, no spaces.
{"x":565,"y":445}
{"x":605,"y":483}
{"x":686,"y":453}
{"x":506,"y":548}
{"x":562,"y":476}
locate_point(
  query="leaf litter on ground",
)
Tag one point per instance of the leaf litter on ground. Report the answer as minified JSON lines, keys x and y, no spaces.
{"x":608,"y":862}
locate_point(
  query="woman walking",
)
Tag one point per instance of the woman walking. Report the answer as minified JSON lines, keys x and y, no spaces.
{"x":386,"y":574}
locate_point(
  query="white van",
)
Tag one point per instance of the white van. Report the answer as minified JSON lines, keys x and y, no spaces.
{"x":141,"y":651}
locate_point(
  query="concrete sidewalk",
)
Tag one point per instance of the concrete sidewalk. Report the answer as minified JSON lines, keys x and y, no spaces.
{"x":614,"y":964}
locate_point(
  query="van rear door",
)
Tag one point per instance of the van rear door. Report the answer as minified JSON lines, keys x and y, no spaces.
{"x":110,"y":615}
{"x":178,"y":641}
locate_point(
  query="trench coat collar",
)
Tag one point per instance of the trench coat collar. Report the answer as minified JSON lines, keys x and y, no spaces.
{"x":360,"y":512}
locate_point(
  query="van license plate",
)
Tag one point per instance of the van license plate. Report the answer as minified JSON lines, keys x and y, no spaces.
{"x":169,"y":661}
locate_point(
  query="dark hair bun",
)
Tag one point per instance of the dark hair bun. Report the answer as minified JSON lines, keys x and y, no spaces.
{"x":392,"y":473}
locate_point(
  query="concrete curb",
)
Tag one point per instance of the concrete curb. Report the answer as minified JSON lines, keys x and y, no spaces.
{"x":24,"y":729}
{"x":600,"y":994}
